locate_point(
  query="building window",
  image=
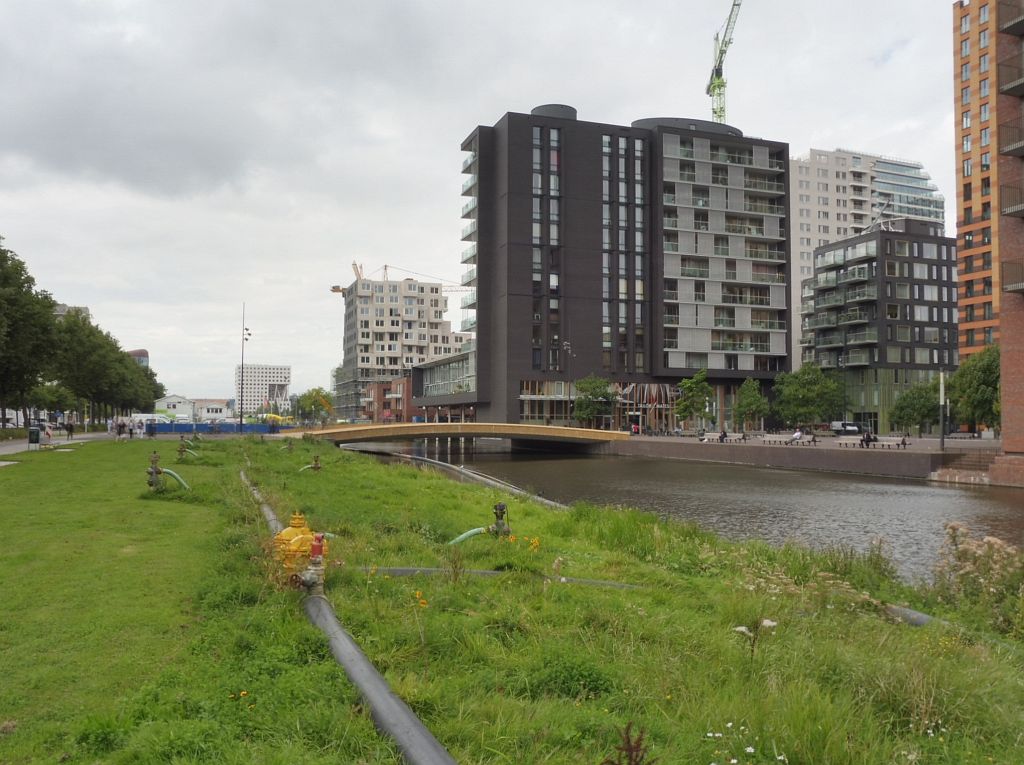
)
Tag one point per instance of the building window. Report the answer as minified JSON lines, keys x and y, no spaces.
{"x":965,"y":48}
{"x":986,"y":136}
{"x":968,"y":168}
{"x":986,"y":162}
{"x":983,"y":87}
{"x":965,"y":96}
{"x":965,"y":24}
{"x":983,"y":39}
{"x":965,"y":71}
{"x":965,"y":120}
{"x":967,"y":142}
{"x":983,"y":115}
{"x":983,"y":63}
{"x":983,"y":14}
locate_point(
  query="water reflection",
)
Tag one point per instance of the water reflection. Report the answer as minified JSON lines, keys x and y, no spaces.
{"x":743,"y":502}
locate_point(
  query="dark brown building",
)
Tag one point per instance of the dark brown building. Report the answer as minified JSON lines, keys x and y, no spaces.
{"x":638,"y":253}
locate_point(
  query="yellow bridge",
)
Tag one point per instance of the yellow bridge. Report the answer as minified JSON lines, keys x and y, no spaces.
{"x":407,"y":431}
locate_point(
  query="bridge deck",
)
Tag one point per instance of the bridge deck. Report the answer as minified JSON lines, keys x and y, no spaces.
{"x":411,"y":430}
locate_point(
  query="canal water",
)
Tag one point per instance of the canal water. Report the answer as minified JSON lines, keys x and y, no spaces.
{"x":741,"y":502}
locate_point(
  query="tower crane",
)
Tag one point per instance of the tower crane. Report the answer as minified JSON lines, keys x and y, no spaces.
{"x":716,"y":83}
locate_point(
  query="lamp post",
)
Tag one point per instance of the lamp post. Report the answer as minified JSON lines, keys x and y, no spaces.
{"x":246,"y":334}
{"x":567,"y":350}
{"x":942,"y":410}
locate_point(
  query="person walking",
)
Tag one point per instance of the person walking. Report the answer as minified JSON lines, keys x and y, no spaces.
{"x":71,"y":430}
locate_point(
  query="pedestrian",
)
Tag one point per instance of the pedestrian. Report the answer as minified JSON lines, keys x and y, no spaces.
{"x":131,"y":429}
{"x":71,"y":430}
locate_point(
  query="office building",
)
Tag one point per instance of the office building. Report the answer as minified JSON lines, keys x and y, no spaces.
{"x":390,"y":326}
{"x":638,"y":253}
{"x":989,"y":87}
{"x":839,"y":194}
{"x":881,"y":309}
{"x":266,"y":388}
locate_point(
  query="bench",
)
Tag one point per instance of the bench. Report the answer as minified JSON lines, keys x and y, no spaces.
{"x":788,"y":440}
{"x":884,"y":442}
{"x":730,"y":438}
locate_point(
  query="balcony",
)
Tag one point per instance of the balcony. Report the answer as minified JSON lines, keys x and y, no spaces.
{"x":767,"y":324}
{"x":670,"y":223}
{"x":830,"y":258}
{"x":1011,"y":17}
{"x":827,"y":360}
{"x":739,"y":228}
{"x":740,"y":345}
{"x":765,"y":253}
{"x":468,"y":325}
{"x":469,"y":231}
{"x":725,"y":322}
{"x":1011,"y":201}
{"x":776,"y":164}
{"x":731,"y":158}
{"x":807,"y":357}
{"x":1011,"y":75}
{"x":669,"y":199}
{"x":469,"y":277}
{"x":867,"y":292}
{"x":670,"y":295}
{"x":807,"y":338}
{"x":685,"y":152}
{"x":829,"y":340}
{"x":469,"y":207}
{"x":821,"y":320}
{"x":1011,"y":138}
{"x":807,"y":306}
{"x":746,"y":299}
{"x":763,"y":208}
{"x":1013,"y":275}
{"x":867,"y":335}
{"x":763,"y":278}
{"x":469,"y":161}
{"x":860,"y":357}
{"x":468,"y":300}
{"x":856,"y":316}
{"x":469,"y":184}
{"x":671,"y":246}
{"x":694,"y":273}
{"x":858,"y":274}
{"x":760,"y":184}
{"x":829,"y":300}
{"x":824,"y":281}
{"x":469,"y":255}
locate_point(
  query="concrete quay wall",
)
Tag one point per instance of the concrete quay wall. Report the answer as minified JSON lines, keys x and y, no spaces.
{"x":880,"y":462}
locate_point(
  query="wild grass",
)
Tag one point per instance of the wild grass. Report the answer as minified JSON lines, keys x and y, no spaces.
{"x":219,"y":665}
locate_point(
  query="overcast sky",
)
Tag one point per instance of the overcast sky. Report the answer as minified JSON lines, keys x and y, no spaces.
{"x":162,"y":162}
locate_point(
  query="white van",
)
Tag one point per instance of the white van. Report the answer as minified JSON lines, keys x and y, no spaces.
{"x":144,"y":417}
{"x":845,"y":428}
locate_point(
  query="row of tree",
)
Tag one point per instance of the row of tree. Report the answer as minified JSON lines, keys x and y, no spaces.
{"x":65,"y":364}
{"x":811,"y":395}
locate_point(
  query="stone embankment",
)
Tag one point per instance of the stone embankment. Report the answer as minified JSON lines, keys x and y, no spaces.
{"x":921,"y":461}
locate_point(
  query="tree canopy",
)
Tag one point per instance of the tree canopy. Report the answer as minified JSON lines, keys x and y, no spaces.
{"x":751,"y":403}
{"x":974,"y":388}
{"x":594,"y":398}
{"x":918,"y":405}
{"x":314,"y":404}
{"x":807,"y":396}
{"x":694,"y":394}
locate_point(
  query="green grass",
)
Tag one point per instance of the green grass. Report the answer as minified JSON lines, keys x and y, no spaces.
{"x":141,"y":619}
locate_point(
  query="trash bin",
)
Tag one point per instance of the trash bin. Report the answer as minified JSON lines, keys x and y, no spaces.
{"x":33,"y":436}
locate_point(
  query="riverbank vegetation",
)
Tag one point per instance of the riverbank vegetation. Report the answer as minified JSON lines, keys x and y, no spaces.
{"x":153,"y":627}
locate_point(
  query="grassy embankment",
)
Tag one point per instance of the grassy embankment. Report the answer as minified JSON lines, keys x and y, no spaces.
{"x":150,"y":628}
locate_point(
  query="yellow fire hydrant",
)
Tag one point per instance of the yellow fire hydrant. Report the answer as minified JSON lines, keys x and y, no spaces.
{"x":292,"y":544}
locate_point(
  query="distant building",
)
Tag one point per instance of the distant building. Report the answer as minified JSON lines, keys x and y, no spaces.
{"x":266,"y":386}
{"x":63,"y":309}
{"x":206,"y":409}
{"x":174,"y":406}
{"x":641,"y":253}
{"x":838,"y":194}
{"x":390,"y":326}
{"x":390,"y":401}
{"x":881,"y":309}
{"x":141,"y":356}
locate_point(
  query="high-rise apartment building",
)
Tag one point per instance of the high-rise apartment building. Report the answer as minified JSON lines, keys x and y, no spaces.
{"x":265,"y":385}
{"x":839,"y":194}
{"x":989,"y":91}
{"x":639,"y":253}
{"x":390,"y":326}
{"x":881,"y":309}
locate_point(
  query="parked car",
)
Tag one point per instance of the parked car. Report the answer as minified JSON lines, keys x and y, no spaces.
{"x":845,"y":428}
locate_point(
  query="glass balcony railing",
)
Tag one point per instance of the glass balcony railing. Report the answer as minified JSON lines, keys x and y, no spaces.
{"x":760,"y":184}
{"x":694,"y":273}
{"x":869,"y":335}
{"x":764,"y":209}
{"x":469,"y":230}
{"x":807,"y":338}
{"x":829,"y":340}
{"x":825,"y":301}
{"x":858,"y":274}
{"x":761,"y":278}
{"x":469,"y":277}
{"x":868,"y":292}
{"x":858,"y":357}
{"x":764,"y":253}
{"x":739,"y":345}
{"x":820,"y":320}
{"x":469,"y":183}
{"x":738,"y":228}
{"x":767,"y":324}
{"x":469,"y":254}
{"x":854,"y":317}
{"x":722,"y":321}
{"x":732,"y":158}
{"x":746,"y":299}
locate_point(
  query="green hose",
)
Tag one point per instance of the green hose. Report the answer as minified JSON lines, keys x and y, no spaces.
{"x":177,"y":478}
{"x":468,"y":534}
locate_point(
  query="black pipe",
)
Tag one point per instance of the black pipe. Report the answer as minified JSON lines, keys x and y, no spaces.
{"x":390,"y":714}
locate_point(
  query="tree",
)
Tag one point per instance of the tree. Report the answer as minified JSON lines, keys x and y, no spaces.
{"x":694,"y":395}
{"x":751,"y":403}
{"x":594,"y":398}
{"x":26,"y":331}
{"x":807,"y":396}
{"x":918,"y":405}
{"x":314,"y":404}
{"x":974,"y":388}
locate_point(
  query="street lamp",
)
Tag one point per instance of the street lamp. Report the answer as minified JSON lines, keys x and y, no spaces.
{"x":246,"y":334}
{"x":942,"y":410}
{"x":567,"y":350}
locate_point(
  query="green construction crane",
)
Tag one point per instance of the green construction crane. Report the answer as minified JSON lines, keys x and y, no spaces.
{"x":716,"y":84}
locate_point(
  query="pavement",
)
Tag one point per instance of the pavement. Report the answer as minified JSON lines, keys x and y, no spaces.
{"x":59,"y":440}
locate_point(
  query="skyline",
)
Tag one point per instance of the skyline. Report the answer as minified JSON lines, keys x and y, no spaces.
{"x":162,"y":165}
